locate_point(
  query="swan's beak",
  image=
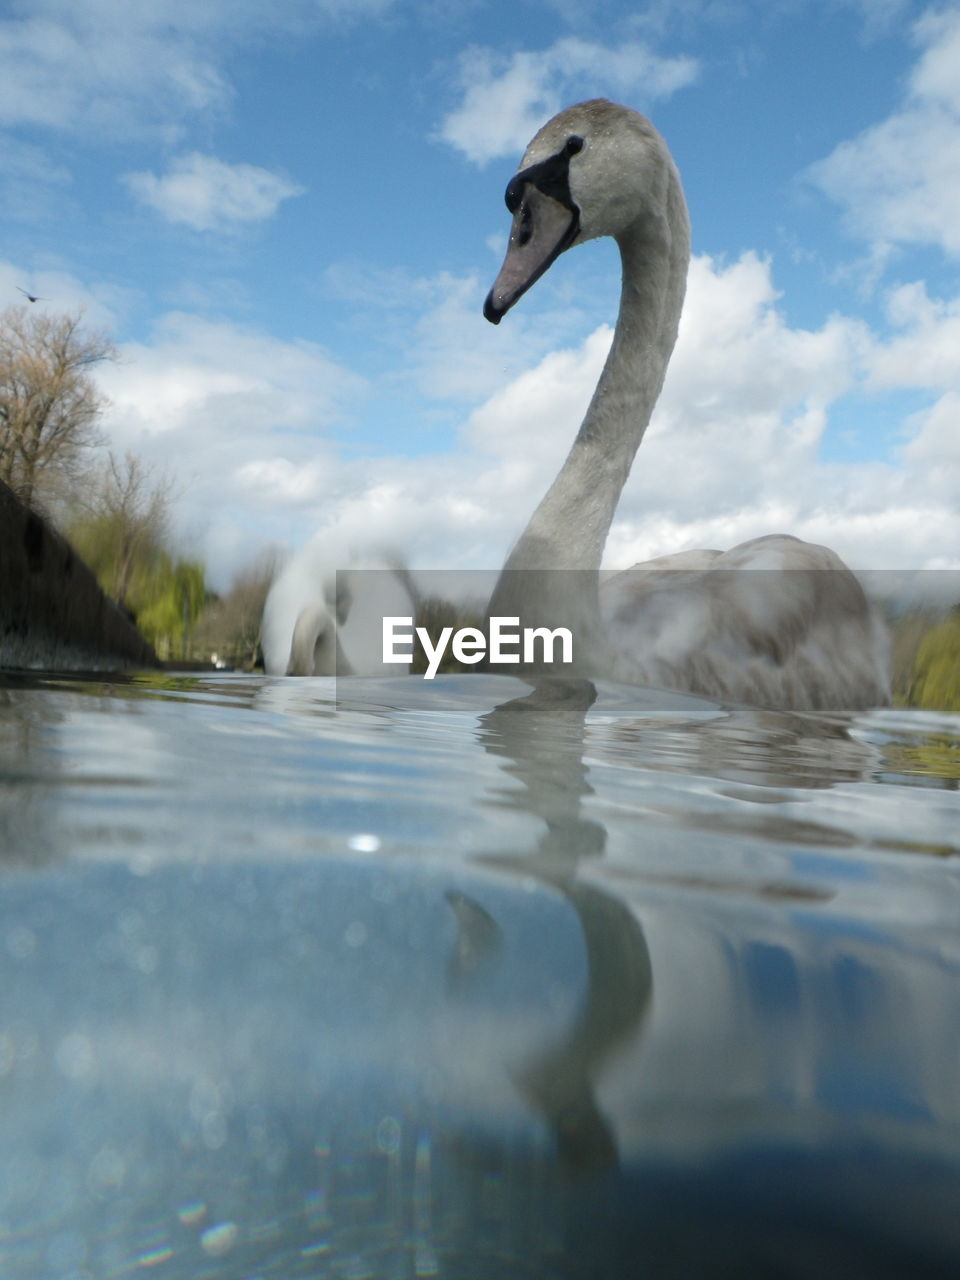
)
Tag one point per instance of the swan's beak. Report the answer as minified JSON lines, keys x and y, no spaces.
{"x":542,"y":228}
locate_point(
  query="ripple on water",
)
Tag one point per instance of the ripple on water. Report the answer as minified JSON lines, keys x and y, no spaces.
{"x":304,"y":979}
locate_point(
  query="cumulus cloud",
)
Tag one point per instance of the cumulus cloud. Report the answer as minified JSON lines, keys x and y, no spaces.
{"x":920,"y":354}
{"x":58,"y":69}
{"x":921,"y":349}
{"x":935,"y":440}
{"x":201,"y":374}
{"x":733,"y":450}
{"x":242,"y":418}
{"x":734,"y":447}
{"x":505,"y":99}
{"x":208,"y":194}
{"x":127,"y":69}
{"x":899,"y":181}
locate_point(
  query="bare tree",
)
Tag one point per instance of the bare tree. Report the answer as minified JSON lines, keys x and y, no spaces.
{"x":49,"y":405}
{"x":230,"y":626}
{"x":122,"y":525}
{"x":133,"y":500}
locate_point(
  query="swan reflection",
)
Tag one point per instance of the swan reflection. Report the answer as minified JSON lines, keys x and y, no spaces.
{"x":541,"y":734}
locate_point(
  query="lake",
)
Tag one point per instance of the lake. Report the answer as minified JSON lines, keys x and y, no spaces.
{"x":374,"y":978}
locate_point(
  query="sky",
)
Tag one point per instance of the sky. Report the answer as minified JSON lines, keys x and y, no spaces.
{"x":287,"y":217}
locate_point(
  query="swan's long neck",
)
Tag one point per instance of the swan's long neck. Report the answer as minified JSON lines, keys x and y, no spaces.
{"x":569,"y":528}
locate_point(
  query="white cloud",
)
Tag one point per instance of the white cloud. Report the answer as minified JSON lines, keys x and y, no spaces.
{"x":936,"y":442}
{"x":112,"y":68}
{"x":241,"y":418}
{"x":899,"y":180}
{"x":529,"y":424}
{"x":208,"y":194}
{"x":922,"y":349}
{"x":124,"y":69}
{"x":733,"y":448}
{"x":732,"y":452}
{"x":199,"y":374}
{"x":505,"y":99}
{"x":735,"y":344}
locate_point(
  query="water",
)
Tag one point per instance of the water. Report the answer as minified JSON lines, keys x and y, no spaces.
{"x":380,"y":979}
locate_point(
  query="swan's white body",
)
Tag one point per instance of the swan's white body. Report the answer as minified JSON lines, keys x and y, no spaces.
{"x":322,"y":618}
{"x":774,"y":621}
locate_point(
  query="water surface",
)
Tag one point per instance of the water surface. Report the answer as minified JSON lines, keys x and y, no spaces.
{"x":375,"y":978}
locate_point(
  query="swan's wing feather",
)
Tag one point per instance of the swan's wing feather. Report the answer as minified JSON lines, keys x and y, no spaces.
{"x":774,"y":621}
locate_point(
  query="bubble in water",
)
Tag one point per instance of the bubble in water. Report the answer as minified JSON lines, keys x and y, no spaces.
{"x":147,"y":958}
{"x":129,"y":922}
{"x":220,"y":1239}
{"x":315,"y":1250}
{"x":355,"y":934}
{"x":389,"y":1134}
{"x":192,"y":1214}
{"x":142,"y":863}
{"x":107,"y":1171}
{"x":154,"y":1257}
{"x":76,"y":1057}
{"x":213,"y":1128}
{"x":364,"y":842}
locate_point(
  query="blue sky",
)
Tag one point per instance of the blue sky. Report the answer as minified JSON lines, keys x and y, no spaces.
{"x":288,"y":217}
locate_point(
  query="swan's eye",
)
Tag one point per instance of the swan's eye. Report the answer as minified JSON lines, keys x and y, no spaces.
{"x":574,"y":144}
{"x":525,"y":229}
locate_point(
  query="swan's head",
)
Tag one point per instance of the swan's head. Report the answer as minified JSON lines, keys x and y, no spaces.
{"x":596,"y":169}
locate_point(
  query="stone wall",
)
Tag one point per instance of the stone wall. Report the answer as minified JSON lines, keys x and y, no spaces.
{"x":53,"y":614}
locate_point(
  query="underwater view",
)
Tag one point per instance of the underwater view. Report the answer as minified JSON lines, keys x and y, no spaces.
{"x":373,"y":978}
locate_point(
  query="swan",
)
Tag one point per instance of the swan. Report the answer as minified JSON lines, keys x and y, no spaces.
{"x":775,"y":621}
{"x":321,"y":621}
